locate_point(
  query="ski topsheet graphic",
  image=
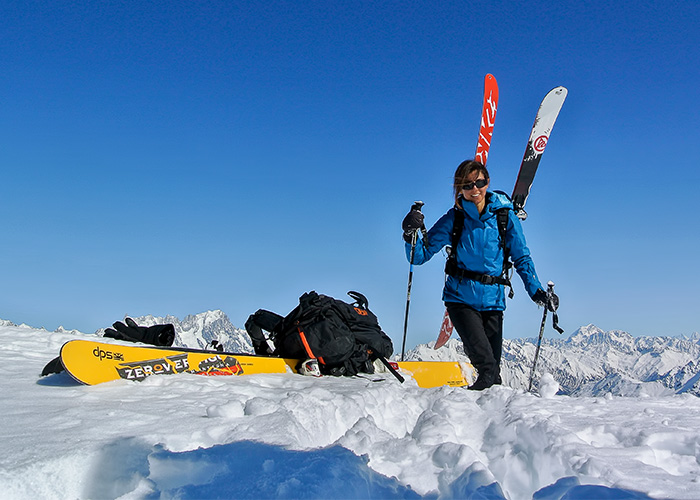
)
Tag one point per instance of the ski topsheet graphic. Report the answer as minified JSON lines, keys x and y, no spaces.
{"x":91,"y":362}
{"x":483,"y":145}
{"x":539,"y":137}
{"x":488,"y":118}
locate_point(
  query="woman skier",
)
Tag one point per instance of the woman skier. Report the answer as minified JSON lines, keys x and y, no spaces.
{"x":474,"y":291}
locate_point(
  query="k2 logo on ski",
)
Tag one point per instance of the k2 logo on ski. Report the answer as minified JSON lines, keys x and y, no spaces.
{"x":540,"y":143}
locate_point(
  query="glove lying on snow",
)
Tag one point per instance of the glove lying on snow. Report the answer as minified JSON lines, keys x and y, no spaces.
{"x":159,"y":335}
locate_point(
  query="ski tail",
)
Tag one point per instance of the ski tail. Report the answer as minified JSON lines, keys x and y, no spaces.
{"x":445,"y":331}
{"x":539,"y":137}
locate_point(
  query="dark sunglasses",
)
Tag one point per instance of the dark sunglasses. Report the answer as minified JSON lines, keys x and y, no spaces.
{"x":479,"y":183}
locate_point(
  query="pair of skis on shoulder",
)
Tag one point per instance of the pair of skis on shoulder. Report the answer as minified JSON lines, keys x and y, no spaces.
{"x":539,"y":136}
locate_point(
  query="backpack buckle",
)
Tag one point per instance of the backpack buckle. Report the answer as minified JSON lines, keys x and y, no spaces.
{"x":487,"y":280}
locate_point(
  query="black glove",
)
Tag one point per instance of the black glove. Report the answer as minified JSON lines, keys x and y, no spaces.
{"x":159,"y":335}
{"x":540,"y":298}
{"x":550,"y":301}
{"x":413,"y":222}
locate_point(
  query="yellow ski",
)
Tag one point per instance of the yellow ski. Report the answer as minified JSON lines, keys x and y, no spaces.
{"x":91,"y":362}
{"x":437,"y":373}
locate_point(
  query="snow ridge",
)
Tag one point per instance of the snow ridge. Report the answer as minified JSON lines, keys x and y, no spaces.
{"x":591,"y":362}
{"x":287,"y":436}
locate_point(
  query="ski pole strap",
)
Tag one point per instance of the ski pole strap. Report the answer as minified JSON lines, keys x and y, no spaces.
{"x":553,"y":305}
{"x":452,"y":269}
{"x":555,"y":323}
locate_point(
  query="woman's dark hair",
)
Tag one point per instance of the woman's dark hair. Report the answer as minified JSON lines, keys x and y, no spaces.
{"x":464,"y":170}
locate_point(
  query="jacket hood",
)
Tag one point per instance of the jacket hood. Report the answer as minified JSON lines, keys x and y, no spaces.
{"x":495,"y":200}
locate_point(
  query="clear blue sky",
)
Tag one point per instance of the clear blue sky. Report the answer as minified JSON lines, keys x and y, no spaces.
{"x":173,"y":157}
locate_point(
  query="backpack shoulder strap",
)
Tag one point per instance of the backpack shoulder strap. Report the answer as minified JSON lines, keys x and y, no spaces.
{"x":502,"y":221}
{"x":457,"y":229}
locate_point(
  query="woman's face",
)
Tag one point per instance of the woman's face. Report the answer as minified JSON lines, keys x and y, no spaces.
{"x":471,"y":190}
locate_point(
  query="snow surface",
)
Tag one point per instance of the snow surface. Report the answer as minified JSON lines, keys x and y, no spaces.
{"x":288,"y":436}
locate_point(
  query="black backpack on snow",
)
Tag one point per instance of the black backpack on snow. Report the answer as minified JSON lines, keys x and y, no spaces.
{"x":344,"y":338}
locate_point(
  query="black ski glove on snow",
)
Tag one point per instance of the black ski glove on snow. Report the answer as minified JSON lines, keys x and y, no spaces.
{"x":413,"y":222}
{"x":159,"y":335}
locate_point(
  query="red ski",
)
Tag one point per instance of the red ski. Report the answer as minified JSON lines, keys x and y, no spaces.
{"x":445,"y":331}
{"x":483,"y":144}
{"x":488,"y":118}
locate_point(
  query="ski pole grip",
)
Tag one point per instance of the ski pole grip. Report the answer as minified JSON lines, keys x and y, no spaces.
{"x":418,"y":205}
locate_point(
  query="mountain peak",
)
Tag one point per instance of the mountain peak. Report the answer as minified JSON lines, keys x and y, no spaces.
{"x":592,"y":335}
{"x":199,"y":330}
{"x":584,"y":334}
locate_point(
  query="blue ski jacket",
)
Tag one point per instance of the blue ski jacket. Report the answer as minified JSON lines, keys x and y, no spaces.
{"x":479,"y":250}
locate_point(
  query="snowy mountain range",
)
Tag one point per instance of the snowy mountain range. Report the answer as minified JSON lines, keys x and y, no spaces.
{"x":198,"y":331}
{"x":591,"y":362}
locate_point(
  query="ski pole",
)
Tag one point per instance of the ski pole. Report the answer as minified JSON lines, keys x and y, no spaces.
{"x":414,"y":238}
{"x":537,"y":351}
{"x":391,"y":369}
{"x":555,"y":304}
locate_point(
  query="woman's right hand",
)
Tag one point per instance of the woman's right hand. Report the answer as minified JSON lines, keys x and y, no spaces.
{"x":413,"y":221}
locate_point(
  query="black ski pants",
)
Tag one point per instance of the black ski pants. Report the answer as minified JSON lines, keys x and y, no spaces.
{"x":482,"y":335}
